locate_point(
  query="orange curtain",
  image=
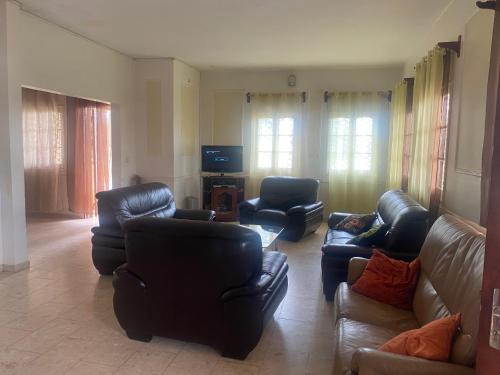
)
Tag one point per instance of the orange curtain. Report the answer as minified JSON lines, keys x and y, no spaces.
{"x":89,"y":165}
{"x":102,"y":150}
{"x":44,"y":147}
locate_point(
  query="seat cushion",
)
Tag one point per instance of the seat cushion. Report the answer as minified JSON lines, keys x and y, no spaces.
{"x":274,"y":266}
{"x":351,"y":335}
{"x":272,"y":261}
{"x":338,"y":237}
{"x":271,"y":217}
{"x":354,"y":306}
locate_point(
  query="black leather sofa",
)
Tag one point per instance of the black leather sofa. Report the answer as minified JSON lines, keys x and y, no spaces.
{"x":117,"y":206}
{"x":288,"y":202}
{"x":204,"y":282}
{"x":408,"y":225}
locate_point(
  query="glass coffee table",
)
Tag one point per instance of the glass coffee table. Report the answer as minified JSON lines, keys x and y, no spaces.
{"x":268,"y":235}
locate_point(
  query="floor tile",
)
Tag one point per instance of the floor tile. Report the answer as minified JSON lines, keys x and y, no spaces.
{"x":87,"y":368}
{"x":10,"y":336}
{"x":152,"y":362}
{"x":110,"y":353}
{"x":57,"y":317}
{"x":12,"y":360}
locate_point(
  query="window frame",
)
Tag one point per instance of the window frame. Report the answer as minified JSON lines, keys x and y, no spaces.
{"x":275,"y":136}
{"x":351,"y":143}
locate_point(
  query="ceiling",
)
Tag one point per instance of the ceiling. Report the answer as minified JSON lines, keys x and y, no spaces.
{"x":212,"y":34}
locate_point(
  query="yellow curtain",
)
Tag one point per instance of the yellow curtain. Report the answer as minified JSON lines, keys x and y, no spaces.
{"x":427,"y":100}
{"x":276,"y":137}
{"x":357,"y":135}
{"x":396,"y":137}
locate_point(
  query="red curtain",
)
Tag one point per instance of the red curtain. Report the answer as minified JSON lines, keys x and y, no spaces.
{"x":89,"y":165}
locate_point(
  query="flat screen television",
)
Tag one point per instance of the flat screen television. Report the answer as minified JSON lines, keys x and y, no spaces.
{"x":222,"y":159}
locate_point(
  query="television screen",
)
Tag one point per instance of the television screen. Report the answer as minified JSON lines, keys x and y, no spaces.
{"x":222,"y":159}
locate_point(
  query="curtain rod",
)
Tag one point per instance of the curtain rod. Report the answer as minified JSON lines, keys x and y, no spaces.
{"x":454,"y":46}
{"x":303,"y":95}
{"x":385,"y":94}
{"x":486,"y":4}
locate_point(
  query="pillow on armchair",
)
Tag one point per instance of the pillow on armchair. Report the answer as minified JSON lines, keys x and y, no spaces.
{"x":356,"y":224}
{"x":389,"y":280}
{"x":374,"y":236}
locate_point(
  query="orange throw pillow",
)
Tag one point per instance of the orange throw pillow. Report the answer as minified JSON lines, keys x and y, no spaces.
{"x":432,"y":341}
{"x":389,"y":280}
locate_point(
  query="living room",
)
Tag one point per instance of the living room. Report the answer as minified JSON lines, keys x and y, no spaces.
{"x":172,"y":77}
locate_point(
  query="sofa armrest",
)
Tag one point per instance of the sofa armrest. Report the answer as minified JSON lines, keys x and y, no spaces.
{"x":274,"y":268}
{"x":108,"y":232}
{"x":356,"y":267}
{"x":250,"y":205}
{"x":203,"y":215}
{"x":346,"y":251}
{"x":305,"y":209}
{"x":374,"y":362}
{"x":336,"y":217}
{"x":249,"y":290}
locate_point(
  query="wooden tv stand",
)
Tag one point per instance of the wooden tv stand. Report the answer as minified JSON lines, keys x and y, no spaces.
{"x":222,"y":194}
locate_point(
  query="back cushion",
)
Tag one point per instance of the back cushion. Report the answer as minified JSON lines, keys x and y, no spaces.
{"x":450,"y":281}
{"x":220,"y":255}
{"x":119,"y":205}
{"x":282,"y":193}
{"x":407,"y":218}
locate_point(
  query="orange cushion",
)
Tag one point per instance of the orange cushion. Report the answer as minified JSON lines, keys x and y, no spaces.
{"x":389,"y":280}
{"x":432,"y":341}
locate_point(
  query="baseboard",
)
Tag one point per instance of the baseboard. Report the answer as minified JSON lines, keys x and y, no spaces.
{"x":15,"y":267}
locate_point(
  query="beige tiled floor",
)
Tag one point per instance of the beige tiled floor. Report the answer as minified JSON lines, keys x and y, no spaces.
{"x":57,"y":318}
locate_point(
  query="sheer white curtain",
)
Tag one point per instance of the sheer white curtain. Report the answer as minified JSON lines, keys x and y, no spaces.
{"x":397,"y":136}
{"x":276,"y":139}
{"x":427,"y":111}
{"x":44,"y":134}
{"x":356,"y":129}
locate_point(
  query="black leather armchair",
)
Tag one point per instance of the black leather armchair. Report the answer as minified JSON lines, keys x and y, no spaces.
{"x":204,"y":282}
{"x":408,"y":222}
{"x":117,"y":206}
{"x":288,"y":202}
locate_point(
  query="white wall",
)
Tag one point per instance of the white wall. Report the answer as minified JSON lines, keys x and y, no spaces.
{"x":157,"y":164}
{"x":467,"y":120}
{"x":11,"y":223}
{"x":176,"y":163}
{"x":42,"y":55}
{"x":313,"y":81}
{"x":446,"y":28}
{"x":186,"y":132}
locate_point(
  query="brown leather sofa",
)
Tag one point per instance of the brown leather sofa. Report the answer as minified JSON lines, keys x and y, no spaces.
{"x":408,"y":223}
{"x":450,"y":282}
{"x":287,"y":202}
{"x":205,"y":282}
{"x":117,"y":206}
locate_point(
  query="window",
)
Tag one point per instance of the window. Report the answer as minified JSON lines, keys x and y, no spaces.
{"x":351,"y":147}
{"x":442,"y":133}
{"x":275,"y":142}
